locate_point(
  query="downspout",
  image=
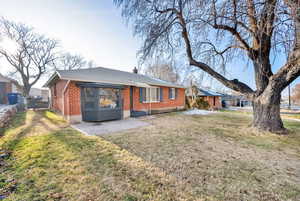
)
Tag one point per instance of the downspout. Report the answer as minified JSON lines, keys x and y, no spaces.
{"x":63,"y":96}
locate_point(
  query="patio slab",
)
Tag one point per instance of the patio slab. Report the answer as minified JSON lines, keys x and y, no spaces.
{"x":102,"y":128}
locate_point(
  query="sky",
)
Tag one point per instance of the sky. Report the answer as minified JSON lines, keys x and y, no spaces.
{"x":94,"y":29}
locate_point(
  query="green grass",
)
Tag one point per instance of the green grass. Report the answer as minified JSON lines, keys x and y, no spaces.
{"x":178,"y":157}
{"x":51,"y":161}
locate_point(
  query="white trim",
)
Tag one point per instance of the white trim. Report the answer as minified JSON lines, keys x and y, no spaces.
{"x":151,"y":101}
{"x":132,"y":83}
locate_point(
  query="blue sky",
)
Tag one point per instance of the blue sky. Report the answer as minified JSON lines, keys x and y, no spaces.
{"x":94,"y":29}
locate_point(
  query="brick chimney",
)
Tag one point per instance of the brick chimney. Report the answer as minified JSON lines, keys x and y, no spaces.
{"x":135,"y":70}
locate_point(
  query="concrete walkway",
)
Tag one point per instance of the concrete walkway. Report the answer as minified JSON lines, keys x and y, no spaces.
{"x":102,"y":128}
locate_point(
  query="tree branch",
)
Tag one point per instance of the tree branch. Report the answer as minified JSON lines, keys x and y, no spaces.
{"x":233,"y":84}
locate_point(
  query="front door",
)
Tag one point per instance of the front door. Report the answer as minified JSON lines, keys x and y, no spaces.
{"x":100,"y":104}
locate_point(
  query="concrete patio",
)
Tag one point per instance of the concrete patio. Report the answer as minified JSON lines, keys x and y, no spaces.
{"x":102,"y":128}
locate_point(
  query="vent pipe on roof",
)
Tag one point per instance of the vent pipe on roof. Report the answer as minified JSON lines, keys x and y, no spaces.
{"x":135,"y":70}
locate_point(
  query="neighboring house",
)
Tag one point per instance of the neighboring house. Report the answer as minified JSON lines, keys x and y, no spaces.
{"x":39,"y":93}
{"x":213,"y":98}
{"x":6,"y":86}
{"x":101,"y":94}
{"x":235,"y":101}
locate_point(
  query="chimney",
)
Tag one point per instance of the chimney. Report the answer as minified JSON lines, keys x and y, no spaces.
{"x":135,"y":70}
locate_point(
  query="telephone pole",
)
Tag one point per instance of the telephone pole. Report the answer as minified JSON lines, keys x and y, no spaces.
{"x":289,"y":97}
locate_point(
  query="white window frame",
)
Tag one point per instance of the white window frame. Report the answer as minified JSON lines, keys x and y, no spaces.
{"x":151,"y":91}
{"x":173,"y":93}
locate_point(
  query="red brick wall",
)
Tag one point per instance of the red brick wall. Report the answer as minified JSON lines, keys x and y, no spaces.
{"x":210,"y":100}
{"x":72,"y":99}
{"x":126,"y":98}
{"x":56,"y":99}
{"x":166,"y":102}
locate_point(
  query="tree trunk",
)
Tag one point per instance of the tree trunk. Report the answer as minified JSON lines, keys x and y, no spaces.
{"x":26,"y":91}
{"x":266,"y":114}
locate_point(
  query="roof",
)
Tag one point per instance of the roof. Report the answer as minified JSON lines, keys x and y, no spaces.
{"x":109,"y":76}
{"x":228,"y":97}
{"x":202,"y":92}
{"x":4,"y":79}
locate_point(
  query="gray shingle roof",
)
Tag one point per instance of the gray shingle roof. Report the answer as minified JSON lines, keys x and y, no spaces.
{"x":110,"y":76}
{"x":202,"y":92}
{"x":4,"y":79}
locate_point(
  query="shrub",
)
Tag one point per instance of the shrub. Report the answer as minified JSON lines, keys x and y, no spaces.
{"x":200,"y":103}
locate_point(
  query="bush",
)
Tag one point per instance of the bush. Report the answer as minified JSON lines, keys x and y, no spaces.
{"x":200,"y":103}
{"x":188,"y":102}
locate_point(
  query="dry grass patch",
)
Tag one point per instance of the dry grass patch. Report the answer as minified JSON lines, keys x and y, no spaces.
{"x":220,"y":156}
{"x":51,"y":161}
{"x":178,"y":157}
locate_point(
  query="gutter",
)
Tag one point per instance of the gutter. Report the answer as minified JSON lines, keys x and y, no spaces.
{"x":63,"y":96}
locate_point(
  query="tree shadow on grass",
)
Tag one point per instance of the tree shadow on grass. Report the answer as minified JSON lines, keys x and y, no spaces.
{"x":17,"y":120}
{"x":122,"y":173}
{"x":24,"y":125}
{"x":19,"y":128}
{"x":53,"y":161}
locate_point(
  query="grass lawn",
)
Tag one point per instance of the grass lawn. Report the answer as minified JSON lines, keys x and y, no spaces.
{"x":178,"y":157}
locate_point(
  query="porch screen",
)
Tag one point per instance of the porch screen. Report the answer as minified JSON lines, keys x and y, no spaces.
{"x":108,"y":98}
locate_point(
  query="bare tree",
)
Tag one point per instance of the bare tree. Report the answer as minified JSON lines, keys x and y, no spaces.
{"x":162,"y":70}
{"x":68,"y":61}
{"x":91,"y":64}
{"x":215,"y":31}
{"x":32,"y":53}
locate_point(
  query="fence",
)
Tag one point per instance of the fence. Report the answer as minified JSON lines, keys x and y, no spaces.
{"x":37,"y":103}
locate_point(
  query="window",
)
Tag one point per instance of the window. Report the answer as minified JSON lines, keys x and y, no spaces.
{"x":150,"y":95}
{"x":89,"y":98}
{"x":172,"y":93}
{"x":108,"y":98}
{"x":214,"y":101}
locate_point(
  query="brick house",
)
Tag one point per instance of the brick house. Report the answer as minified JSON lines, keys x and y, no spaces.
{"x":214,"y":99}
{"x":101,"y":94}
{"x":6,"y":86}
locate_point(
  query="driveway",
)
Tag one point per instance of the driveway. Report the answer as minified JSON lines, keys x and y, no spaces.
{"x":102,"y":128}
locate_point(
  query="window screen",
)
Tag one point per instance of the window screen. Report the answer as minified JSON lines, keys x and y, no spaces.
{"x":172,"y":93}
{"x":108,"y":98}
{"x":151,"y":95}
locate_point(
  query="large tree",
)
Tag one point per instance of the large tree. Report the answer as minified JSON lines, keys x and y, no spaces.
{"x":30,"y":54}
{"x":213,"y":32}
{"x":68,"y":61}
{"x":162,"y":70}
